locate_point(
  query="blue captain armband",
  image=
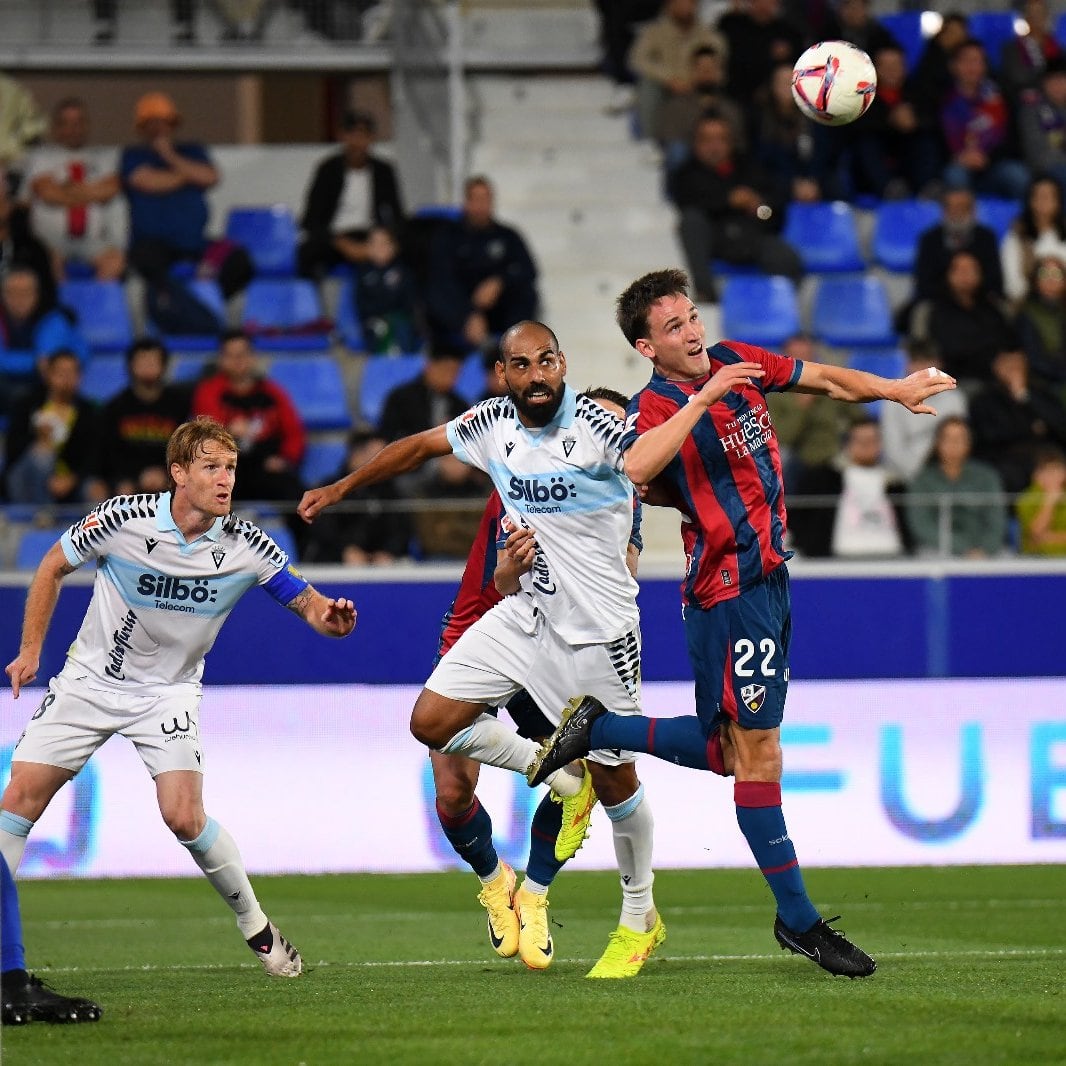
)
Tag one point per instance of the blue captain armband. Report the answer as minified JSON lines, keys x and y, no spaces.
{"x":286,"y":585}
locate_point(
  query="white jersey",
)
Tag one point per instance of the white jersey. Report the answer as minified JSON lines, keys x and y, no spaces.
{"x":158,"y":601}
{"x":565,"y":482}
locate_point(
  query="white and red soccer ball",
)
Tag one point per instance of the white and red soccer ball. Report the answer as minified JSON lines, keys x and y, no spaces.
{"x":834,"y":82}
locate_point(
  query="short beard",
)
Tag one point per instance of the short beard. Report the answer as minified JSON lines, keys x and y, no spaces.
{"x":540,"y":414}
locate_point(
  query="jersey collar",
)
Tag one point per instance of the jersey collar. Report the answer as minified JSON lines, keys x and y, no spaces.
{"x":164,"y":521}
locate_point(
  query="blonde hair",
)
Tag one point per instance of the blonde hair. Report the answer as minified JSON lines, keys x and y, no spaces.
{"x":188,"y":440}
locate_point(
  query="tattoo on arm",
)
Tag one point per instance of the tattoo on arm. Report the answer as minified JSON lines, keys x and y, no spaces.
{"x":301,"y":602}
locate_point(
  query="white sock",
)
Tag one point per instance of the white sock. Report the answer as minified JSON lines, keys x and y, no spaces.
{"x":490,"y":741}
{"x":633,"y":826}
{"x":215,"y":852}
{"x":492,"y":876}
{"x":14,"y":829}
{"x":535,"y":887}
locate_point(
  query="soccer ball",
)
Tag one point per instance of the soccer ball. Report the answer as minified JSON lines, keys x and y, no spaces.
{"x":833,"y":82}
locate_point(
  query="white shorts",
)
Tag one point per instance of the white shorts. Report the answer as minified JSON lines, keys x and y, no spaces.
{"x":79,"y":713}
{"x":513,"y":647}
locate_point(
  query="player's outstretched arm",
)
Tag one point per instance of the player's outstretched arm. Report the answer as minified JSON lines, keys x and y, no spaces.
{"x":856,"y":386}
{"x":325,"y":615}
{"x":40,"y":605}
{"x":399,"y":457}
{"x":654,"y":448}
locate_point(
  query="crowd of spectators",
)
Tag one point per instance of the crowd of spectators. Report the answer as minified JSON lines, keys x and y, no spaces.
{"x":736,"y":153}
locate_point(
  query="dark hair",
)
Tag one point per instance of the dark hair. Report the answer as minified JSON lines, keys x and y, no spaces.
{"x":1025,"y":222}
{"x":233,"y":334}
{"x":942,"y":425}
{"x":354,"y":120}
{"x":147,"y":344}
{"x":919,"y":349}
{"x":604,"y":392}
{"x":66,"y":104}
{"x":969,"y":42}
{"x":62,"y":353}
{"x":1047,"y":454}
{"x":703,"y":50}
{"x":358,"y":437}
{"x":476,"y":179}
{"x":632,"y":307}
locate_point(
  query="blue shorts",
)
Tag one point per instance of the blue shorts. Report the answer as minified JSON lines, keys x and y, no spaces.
{"x":739,"y":652}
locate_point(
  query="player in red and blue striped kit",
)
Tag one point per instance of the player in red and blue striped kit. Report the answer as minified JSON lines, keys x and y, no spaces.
{"x":700,"y":435}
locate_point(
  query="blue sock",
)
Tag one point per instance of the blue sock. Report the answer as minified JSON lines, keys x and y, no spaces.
{"x":682,"y":740}
{"x":547,"y":821}
{"x":12,"y":956}
{"x":762,"y":822}
{"x":470,"y":833}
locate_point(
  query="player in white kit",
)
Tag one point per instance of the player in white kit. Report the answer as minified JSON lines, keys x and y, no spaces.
{"x":169,"y":569}
{"x":573,"y":626}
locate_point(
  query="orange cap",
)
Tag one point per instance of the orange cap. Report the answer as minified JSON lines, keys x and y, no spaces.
{"x":155,"y":105}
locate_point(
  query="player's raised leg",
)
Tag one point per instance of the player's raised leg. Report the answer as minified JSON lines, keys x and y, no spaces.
{"x":180,"y":796}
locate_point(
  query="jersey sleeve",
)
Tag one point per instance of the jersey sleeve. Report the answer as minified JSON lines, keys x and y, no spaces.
{"x":634,"y":534}
{"x":646,"y":410}
{"x":781,"y":372}
{"x":470,"y":435}
{"x":92,"y":536}
{"x":272,"y":567}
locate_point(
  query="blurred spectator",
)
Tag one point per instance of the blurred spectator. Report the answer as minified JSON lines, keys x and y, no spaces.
{"x":730,"y":210}
{"x":20,"y":248}
{"x":783,"y":139}
{"x":351,"y":191}
{"x":21,"y":124}
{"x":165,"y":183}
{"x":73,"y":189}
{"x":182,"y":17}
{"x":262,"y":418}
{"x":679,"y":112}
{"x":975,"y":120}
{"x":864,"y":522}
{"x":808,"y":426}
{"x":1041,"y":509}
{"x":1042,"y":123}
{"x":940,"y":509}
{"x":1039,"y":230}
{"x":386,"y":297}
{"x":1013,"y":418}
{"x":890,"y":154}
{"x":373,"y":534}
{"x":958,"y":231}
{"x":482,"y":278}
{"x":52,"y":440}
{"x":447,"y":532}
{"x":136,"y":424}
{"x":907,"y":441}
{"x":1025,"y":58}
{"x":35,"y":331}
{"x":758,"y":38}
{"x":859,"y":27}
{"x":931,"y":78}
{"x":967,"y":325}
{"x":1041,"y":322}
{"x":619,"y":20}
{"x":661,"y":58}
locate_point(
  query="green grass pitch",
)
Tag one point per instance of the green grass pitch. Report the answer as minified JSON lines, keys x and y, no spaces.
{"x":398,"y":970}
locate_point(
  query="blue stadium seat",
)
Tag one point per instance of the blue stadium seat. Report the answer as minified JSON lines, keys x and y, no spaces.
{"x":851,"y":312}
{"x":898,"y":225}
{"x":102,"y":313}
{"x":34,"y":546}
{"x":317,"y":389}
{"x":284,"y":315}
{"x":825,"y":236}
{"x":17,"y":363}
{"x":103,"y":377}
{"x":759,"y":309}
{"x":283,"y":538}
{"x":471,"y":381}
{"x":269,"y":234}
{"x":1060,"y":29}
{"x":348,"y":325}
{"x":888,"y":362}
{"x":906,"y":27}
{"x":993,"y":29}
{"x":721,"y":269}
{"x":322,"y":460}
{"x":381,"y":375}
{"x":997,"y":214}
{"x":188,"y":368}
{"x":206,"y":290}
{"x":445,"y":211}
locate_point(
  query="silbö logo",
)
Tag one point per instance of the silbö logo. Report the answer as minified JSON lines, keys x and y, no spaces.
{"x":542,"y":497}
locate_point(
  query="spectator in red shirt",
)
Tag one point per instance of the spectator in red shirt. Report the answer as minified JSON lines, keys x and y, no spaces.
{"x":975,"y":121}
{"x":260,"y":415}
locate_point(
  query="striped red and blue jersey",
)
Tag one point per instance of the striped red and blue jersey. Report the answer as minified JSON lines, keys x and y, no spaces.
{"x":726,"y":479}
{"x":477,"y":591}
